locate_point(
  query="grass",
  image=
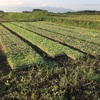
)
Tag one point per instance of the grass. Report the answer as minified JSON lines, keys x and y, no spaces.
{"x":85,"y":31}
{"x":84,"y":21}
{"x":83,"y":17}
{"x":35,"y":16}
{"x":18,"y":53}
{"x":53,"y":82}
{"x":68,"y":31}
{"x":52,"y":48}
{"x":66,"y":38}
{"x":74,"y":22}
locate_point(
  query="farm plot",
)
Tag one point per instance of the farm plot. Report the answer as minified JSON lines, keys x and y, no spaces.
{"x":67,"y":32}
{"x":72,"y":29}
{"x":52,"y":48}
{"x":18,"y":53}
{"x":82,"y":45}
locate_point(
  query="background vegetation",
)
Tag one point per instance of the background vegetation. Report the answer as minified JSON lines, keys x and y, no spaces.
{"x":85,"y":19}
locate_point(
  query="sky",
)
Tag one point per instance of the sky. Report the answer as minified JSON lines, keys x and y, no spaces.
{"x":69,"y":4}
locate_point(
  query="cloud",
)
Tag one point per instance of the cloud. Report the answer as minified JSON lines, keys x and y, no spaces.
{"x":33,"y":4}
{"x":19,"y":3}
{"x":77,"y":6}
{"x":10,"y":2}
{"x":44,"y":4}
{"x":90,"y":6}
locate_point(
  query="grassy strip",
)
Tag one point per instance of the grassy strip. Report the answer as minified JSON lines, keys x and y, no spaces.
{"x":74,"y":22}
{"x":67,"y":32}
{"x":50,"y":47}
{"x":18,"y":53}
{"x":84,"y":46}
{"x":84,"y":31}
{"x":93,"y":18}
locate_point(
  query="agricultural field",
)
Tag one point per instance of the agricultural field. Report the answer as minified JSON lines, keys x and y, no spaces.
{"x":81,"y":17}
{"x":83,"y":21}
{"x":72,"y":40}
{"x":18,"y":53}
{"x":48,"y":61}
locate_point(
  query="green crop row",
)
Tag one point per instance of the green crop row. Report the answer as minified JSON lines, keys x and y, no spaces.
{"x":84,"y":31}
{"x":74,"y":22}
{"x":50,"y":47}
{"x":84,"y":46}
{"x":67,"y":32}
{"x":18,"y":53}
{"x":89,"y":32}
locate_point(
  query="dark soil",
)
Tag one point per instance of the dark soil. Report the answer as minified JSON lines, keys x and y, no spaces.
{"x":4,"y":66}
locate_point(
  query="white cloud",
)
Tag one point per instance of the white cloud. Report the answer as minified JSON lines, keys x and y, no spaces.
{"x":10,"y":2}
{"x":45,"y":4}
{"x":31,"y":4}
{"x":19,"y":3}
{"x":36,"y":3}
{"x":89,"y":7}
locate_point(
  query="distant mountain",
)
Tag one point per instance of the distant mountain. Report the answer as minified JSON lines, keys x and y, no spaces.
{"x":56,"y":10}
{"x":25,"y":8}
